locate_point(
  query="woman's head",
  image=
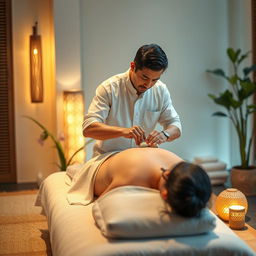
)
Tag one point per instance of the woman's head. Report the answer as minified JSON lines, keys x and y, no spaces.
{"x":188,"y":189}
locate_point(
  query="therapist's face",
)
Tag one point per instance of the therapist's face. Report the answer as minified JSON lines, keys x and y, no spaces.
{"x":144,"y":79}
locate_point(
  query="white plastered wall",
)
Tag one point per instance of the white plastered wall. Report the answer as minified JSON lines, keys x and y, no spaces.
{"x":68,"y":52}
{"x":104,"y":36}
{"x":194,"y":34}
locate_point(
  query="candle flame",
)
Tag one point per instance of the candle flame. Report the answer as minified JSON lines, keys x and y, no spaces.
{"x":237,"y":207}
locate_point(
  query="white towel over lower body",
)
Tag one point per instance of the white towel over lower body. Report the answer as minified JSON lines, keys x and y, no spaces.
{"x":81,"y":190}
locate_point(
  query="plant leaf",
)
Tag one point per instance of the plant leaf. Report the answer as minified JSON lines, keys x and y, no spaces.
{"x":232,"y":54}
{"x":221,"y":114}
{"x":243,"y":57}
{"x":44,"y":135}
{"x":233,"y":79}
{"x":212,"y":96}
{"x":238,"y":51}
{"x":224,"y":99}
{"x":247,"y":89}
{"x":218,"y":72}
{"x":251,"y":109}
{"x":40,"y":125}
{"x":61,"y":155}
{"x":252,"y":106}
{"x":248,"y":70}
{"x":57,"y":144}
{"x":74,"y":154}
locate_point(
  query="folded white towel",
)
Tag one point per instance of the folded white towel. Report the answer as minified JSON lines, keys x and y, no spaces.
{"x":81,"y":191}
{"x":205,"y":159}
{"x":218,"y":174}
{"x":214,"y":166}
{"x":219,"y":181}
{"x":71,"y":172}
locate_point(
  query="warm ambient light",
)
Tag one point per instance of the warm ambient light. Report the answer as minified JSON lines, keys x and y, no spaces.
{"x":36,"y":73}
{"x":228,"y":198}
{"x":236,"y":216}
{"x":73,"y":119}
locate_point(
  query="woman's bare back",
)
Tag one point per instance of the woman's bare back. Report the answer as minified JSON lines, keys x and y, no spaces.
{"x":135,"y":166}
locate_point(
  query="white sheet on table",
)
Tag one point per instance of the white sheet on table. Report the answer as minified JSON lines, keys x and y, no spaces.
{"x":73,"y":232}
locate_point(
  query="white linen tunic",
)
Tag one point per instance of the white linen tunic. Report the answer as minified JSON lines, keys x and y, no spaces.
{"x":116,"y":103}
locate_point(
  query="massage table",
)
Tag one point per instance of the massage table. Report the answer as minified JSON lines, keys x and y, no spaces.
{"x":73,"y":232}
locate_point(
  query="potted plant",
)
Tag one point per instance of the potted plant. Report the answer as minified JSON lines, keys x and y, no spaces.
{"x":236,"y":100}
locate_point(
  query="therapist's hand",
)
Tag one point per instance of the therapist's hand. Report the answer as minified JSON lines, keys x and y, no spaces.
{"x":135,"y":132}
{"x":155,"y":138}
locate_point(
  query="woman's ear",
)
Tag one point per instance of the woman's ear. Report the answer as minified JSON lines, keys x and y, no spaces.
{"x":164,"y":194}
{"x":132,"y":66}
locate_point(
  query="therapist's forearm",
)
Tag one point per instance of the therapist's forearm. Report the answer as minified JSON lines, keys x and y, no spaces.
{"x":174,"y":132}
{"x":101,"y":131}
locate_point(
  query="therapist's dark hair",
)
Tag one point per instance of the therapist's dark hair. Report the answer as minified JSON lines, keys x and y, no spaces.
{"x":151,"y":56}
{"x":188,"y":189}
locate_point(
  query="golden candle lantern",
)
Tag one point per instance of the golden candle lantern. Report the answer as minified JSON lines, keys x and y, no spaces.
{"x":227,"y":198}
{"x":236,"y":216}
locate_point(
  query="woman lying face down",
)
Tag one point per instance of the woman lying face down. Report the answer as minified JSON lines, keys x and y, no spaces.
{"x":184,"y":186}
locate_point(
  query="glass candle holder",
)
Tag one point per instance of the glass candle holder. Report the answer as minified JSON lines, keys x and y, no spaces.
{"x":236,"y":216}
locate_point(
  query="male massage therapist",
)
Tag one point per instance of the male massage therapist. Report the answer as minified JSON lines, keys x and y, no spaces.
{"x":127,"y":106}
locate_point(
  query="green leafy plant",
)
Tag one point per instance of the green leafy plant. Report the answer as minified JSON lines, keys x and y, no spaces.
{"x":236,"y":101}
{"x":63,"y":162}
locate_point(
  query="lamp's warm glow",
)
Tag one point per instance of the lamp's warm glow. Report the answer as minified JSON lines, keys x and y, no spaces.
{"x":237,"y":208}
{"x":73,"y":119}
{"x":36,"y":73}
{"x":230,"y":197}
{"x":236,"y":216}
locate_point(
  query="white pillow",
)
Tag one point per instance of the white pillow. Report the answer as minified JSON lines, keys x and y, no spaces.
{"x":139,"y":212}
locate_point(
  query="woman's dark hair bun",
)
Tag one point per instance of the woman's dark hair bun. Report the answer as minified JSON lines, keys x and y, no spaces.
{"x":189,"y":189}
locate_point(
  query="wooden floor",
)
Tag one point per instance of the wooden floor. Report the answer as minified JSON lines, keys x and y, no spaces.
{"x":9,"y":187}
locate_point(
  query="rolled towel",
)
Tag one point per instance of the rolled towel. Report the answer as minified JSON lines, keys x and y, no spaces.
{"x":214,"y":166}
{"x":219,"y":181}
{"x":218,"y":174}
{"x":205,"y":159}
